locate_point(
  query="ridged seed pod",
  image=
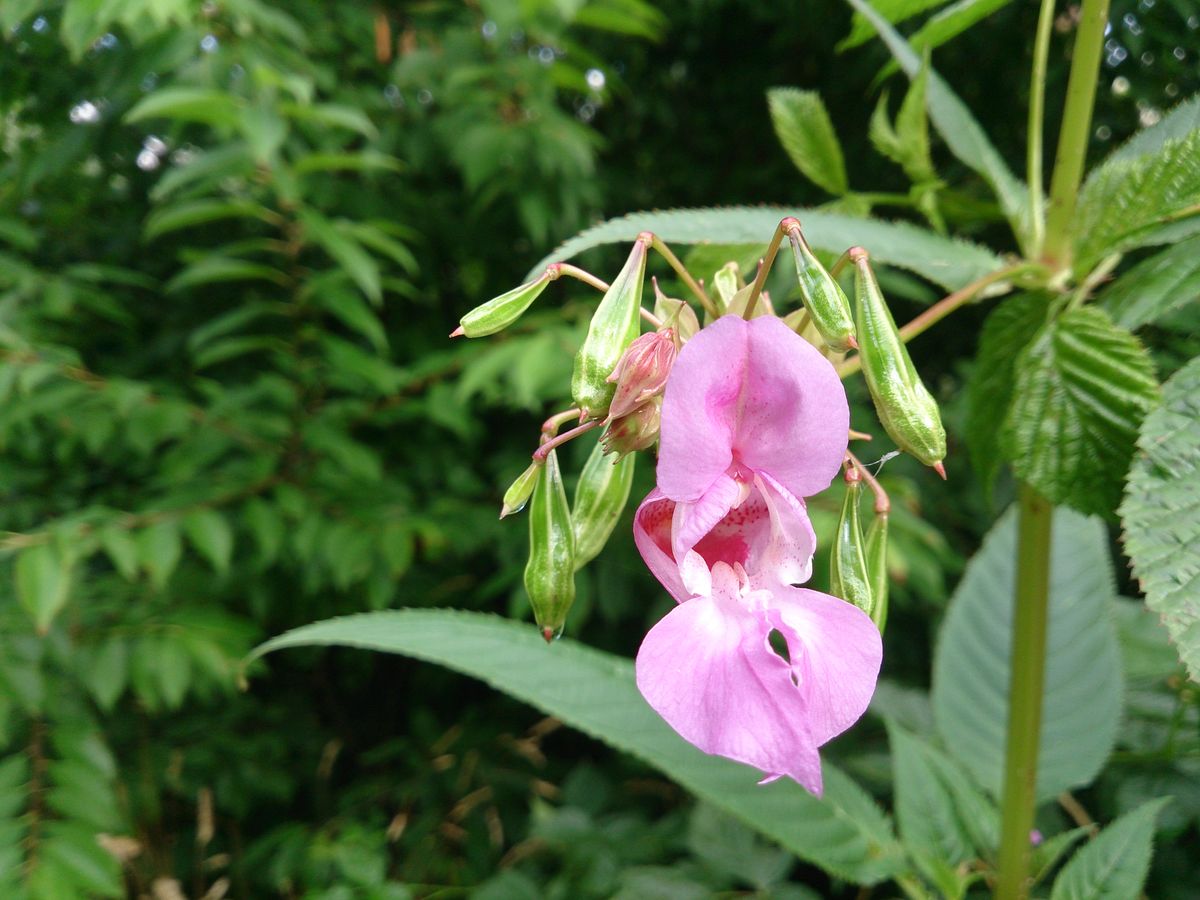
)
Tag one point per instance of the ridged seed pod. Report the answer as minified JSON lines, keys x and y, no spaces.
{"x":500,"y":312}
{"x":600,"y":498}
{"x":550,"y":572}
{"x":848,"y":577}
{"x":824,"y":298}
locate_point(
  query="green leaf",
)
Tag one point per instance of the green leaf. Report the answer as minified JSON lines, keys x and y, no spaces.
{"x":1113,"y":866}
{"x":1155,"y":286}
{"x":365,"y":161}
{"x":211,"y":535}
{"x":1081,"y":702}
{"x":159,"y":548}
{"x":803,"y":127}
{"x":1083,"y":387}
{"x":1160,"y":512}
{"x":894,"y":11}
{"x":1181,"y":121}
{"x":72,"y":848}
{"x":949,"y":263}
{"x":1049,"y":853}
{"x":1127,"y":199}
{"x":728,"y":846}
{"x":346,"y":252}
{"x":908,"y":143}
{"x":334,"y":115}
{"x":217,"y":269}
{"x":187,"y":104}
{"x":961,"y":132}
{"x":1007,"y":331}
{"x":198,"y":212}
{"x":946,"y":24}
{"x":844,"y":833}
{"x":43,"y":579}
{"x":121,"y":550}
{"x":929,"y":824}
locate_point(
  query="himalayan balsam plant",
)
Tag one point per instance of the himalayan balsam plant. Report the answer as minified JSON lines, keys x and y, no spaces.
{"x":737,"y":390}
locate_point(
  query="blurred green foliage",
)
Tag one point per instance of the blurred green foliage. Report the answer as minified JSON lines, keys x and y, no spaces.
{"x":233,"y":238}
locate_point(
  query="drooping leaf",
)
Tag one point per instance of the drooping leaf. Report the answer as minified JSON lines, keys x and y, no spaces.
{"x":1081,"y":702}
{"x":43,"y":578}
{"x":803,"y":127}
{"x":347,"y":252}
{"x":960,"y":130}
{"x":217,"y":269}
{"x":1161,"y":512}
{"x":1114,"y":865}
{"x":1006,"y":332}
{"x":187,"y":104}
{"x":844,"y":833}
{"x":211,"y":535}
{"x":166,"y":219}
{"x":949,"y":263}
{"x":1083,"y":387}
{"x":1126,"y":199}
{"x":1155,"y":286}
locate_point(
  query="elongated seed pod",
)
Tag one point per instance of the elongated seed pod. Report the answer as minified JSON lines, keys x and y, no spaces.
{"x":824,"y":298}
{"x":906,"y":409}
{"x":614,"y":327}
{"x":520,"y":490}
{"x":600,"y":498}
{"x":500,"y":312}
{"x":550,"y":572}
{"x":877,"y":537}
{"x":848,"y":576}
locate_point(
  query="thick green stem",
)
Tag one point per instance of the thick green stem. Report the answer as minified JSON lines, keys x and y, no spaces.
{"x":1025,"y":690}
{"x":1076,"y":128}
{"x":1033,"y":136}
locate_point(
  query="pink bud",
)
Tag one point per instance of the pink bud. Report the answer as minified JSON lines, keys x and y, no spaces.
{"x":642,"y":371}
{"x":633,"y":431}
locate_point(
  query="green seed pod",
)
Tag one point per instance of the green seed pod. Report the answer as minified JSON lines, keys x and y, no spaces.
{"x":550,"y":572}
{"x":519,"y":491}
{"x":499,"y":313}
{"x":824,"y":298}
{"x":848,"y":577}
{"x":876,"y":554}
{"x":614,"y":326}
{"x":907,"y":410}
{"x":600,"y":498}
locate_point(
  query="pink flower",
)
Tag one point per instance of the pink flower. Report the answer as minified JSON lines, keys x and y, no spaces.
{"x":753,"y":419}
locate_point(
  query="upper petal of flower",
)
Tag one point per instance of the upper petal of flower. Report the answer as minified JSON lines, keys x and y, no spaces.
{"x":751,"y":395}
{"x":707,"y":668}
{"x":835,"y":651}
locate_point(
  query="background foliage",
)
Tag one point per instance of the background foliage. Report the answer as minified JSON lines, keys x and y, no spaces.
{"x":233,"y":237}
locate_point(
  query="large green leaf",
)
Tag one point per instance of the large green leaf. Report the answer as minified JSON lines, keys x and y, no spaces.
{"x":1083,"y":387}
{"x":803,"y":128}
{"x":962,"y":133}
{"x":1155,"y":286}
{"x":1114,"y":865}
{"x":1006,"y":332}
{"x":1161,"y":512}
{"x":1127,"y":199}
{"x":844,"y":833}
{"x":1083,"y":685}
{"x":1182,"y":120}
{"x":949,"y":263}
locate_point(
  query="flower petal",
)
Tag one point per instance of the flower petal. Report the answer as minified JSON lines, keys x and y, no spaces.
{"x":652,"y":535}
{"x":709,"y":671}
{"x":756,"y":394}
{"x":835,"y":652}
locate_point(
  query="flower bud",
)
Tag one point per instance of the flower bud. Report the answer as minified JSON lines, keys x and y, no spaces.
{"x":848,"y":576}
{"x":600,"y":498}
{"x":824,"y":298}
{"x":907,"y":410}
{"x":642,"y":372}
{"x":633,"y":431}
{"x":614,"y":326}
{"x":550,"y":572}
{"x":499,"y":313}
{"x":877,"y":570}
{"x":519,"y":491}
{"x":676,"y":315}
